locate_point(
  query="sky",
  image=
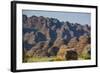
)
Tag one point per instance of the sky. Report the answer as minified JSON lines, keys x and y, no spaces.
{"x":72,"y":17}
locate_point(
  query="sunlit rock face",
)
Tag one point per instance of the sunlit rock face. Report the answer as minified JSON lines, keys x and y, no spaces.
{"x":50,"y":37}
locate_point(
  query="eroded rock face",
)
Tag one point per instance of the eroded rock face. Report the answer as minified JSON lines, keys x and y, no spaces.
{"x":83,"y":41}
{"x":30,"y":38}
{"x":34,"y":20}
{"x":86,"y":53}
{"x":25,"y":19}
{"x":59,"y":41}
{"x":40,"y":50}
{"x":73,"y":42}
{"x":45,"y":37}
{"x":62,"y":51}
{"x":87,"y":28}
{"x":53,"y":51}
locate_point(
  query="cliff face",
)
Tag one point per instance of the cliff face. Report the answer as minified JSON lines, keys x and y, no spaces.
{"x":42,"y":34}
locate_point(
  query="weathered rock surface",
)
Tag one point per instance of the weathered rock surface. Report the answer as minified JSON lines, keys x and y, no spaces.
{"x":46,"y":37}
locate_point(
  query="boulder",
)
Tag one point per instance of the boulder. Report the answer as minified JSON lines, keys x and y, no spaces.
{"x":71,"y":55}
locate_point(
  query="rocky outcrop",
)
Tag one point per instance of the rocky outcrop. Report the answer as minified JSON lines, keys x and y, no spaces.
{"x":62,"y":51}
{"x":40,"y":50}
{"x":46,"y":37}
{"x":73,"y":42}
{"x":83,"y":41}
